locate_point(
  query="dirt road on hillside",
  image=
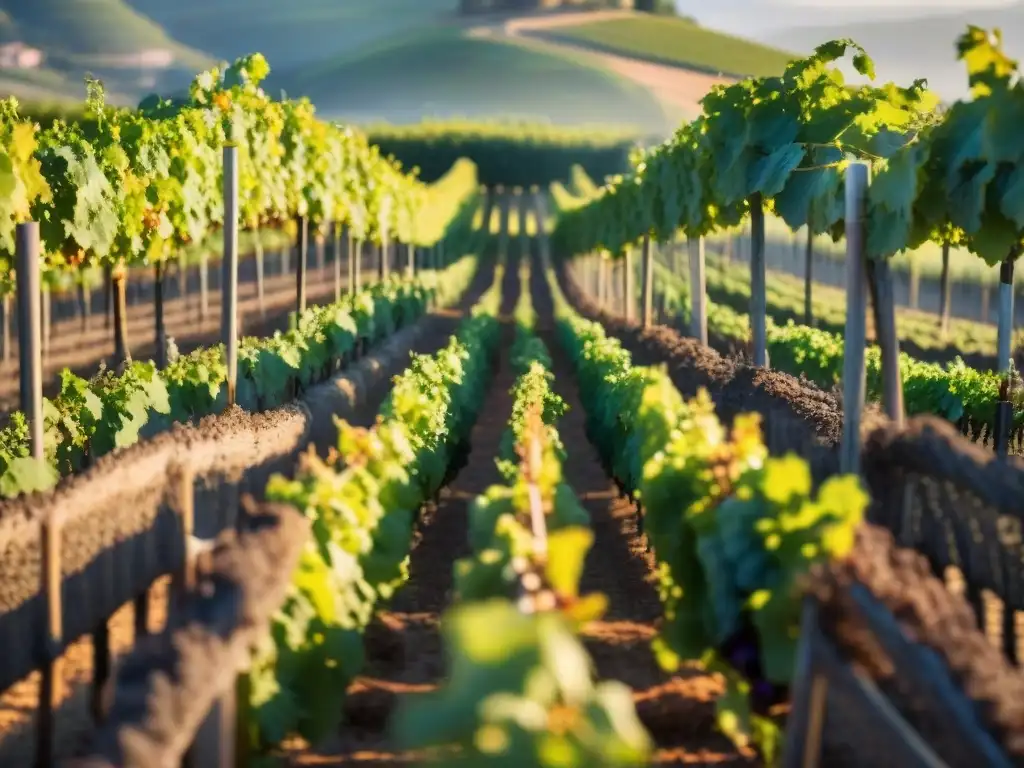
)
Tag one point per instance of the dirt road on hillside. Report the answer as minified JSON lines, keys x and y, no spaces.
{"x":677,"y":88}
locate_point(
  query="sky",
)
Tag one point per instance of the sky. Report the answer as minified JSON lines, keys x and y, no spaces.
{"x":761,"y":18}
{"x":925,"y":5}
{"x":799,"y":25}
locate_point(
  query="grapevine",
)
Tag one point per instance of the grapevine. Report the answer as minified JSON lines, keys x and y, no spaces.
{"x":780,"y":145}
{"x":120,"y":187}
{"x":90,"y":418}
{"x":732,"y":530}
{"x":521,"y":688}
{"x":363,"y":501}
{"x":954,"y":391}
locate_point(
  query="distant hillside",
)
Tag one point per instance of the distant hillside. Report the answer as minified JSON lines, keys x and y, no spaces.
{"x":908,"y":49}
{"x":290,"y":33}
{"x":78,"y":29}
{"x":676,"y":42}
{"x":41,"y":86}
{"x":396,"y":60}
{"x":104,"y":37}
{"x":444,"y":73}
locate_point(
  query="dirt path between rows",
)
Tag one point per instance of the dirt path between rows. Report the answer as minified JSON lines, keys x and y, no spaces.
{"x":678,"y":710}
{"x":19,"y":703}
{"x":405,"y":654}
{"x":404,"y":647}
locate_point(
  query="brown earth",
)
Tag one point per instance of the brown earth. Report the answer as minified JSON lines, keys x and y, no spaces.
{"x":796,"y":415}
{"x":404,"y":648}
{"x":405,"y":652}
{"x":19,"y":703}
{"x":677,"y":709}
{"x":735,"y":385}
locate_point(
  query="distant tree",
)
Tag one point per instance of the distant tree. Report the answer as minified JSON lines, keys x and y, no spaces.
{"x":659,"y":7}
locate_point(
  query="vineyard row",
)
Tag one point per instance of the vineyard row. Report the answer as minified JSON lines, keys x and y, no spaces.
{"x":785,"y":145}
{"x":732,"y":568}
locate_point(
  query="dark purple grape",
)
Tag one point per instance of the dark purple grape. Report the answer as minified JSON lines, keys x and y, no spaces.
{"x":764,"y":695}
{"x":743,"y":656}
{"x":763,"y":689}
{"x":743,"y":651}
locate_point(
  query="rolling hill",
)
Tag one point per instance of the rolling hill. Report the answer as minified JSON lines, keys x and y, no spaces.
{"x":444,"y":72}
{"x":107,"y":38}
{"x":385,"y":59}
{"x":42,"y":86}
{"x":87,"y":29}
{"x":293,"y":33}
{"x":673,"y":41}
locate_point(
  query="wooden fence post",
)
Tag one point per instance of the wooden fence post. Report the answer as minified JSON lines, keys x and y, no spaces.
{"x":880,"y":283}
{"x":648,"y":278}
{"x":758,"y":298}
{"x":698,"y":290}
{"x":29,"y":290}
{"x":628,"y":299}
{"x":1005,"y":327}
{"x":355,"y":253}
{"x":944,"y":294}
{"x":229,"y":265}
{"x":809,"y":277}
{"x":260,"y":275}
{"x":336,"y":254}
{"x":300,"y":272}
{"x":204,"y":285}
{"x":383,"y":266}
{"x":855,"y":337}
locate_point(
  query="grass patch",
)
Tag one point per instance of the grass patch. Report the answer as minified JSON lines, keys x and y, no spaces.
{"x":676,"y":42}
{"x":441,"y":73}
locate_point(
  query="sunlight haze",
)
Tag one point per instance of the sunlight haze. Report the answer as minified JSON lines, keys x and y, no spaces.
{"x":908,"y":40}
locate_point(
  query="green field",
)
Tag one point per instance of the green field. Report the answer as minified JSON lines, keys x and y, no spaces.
{"x":441,"y":73}
{"x":98,"y":37}
{"x":294,"y":33}
{"x":83,"y":29}
{"x":676,"y":42}
{"x":365,"y":60}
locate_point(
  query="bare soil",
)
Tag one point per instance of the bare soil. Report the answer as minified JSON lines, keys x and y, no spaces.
{"x":19,"y":703}
{"x":796,"y":415}
{"x":404,"y":647}
{"x":405,"y":654}
{"x":678,"y":709}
